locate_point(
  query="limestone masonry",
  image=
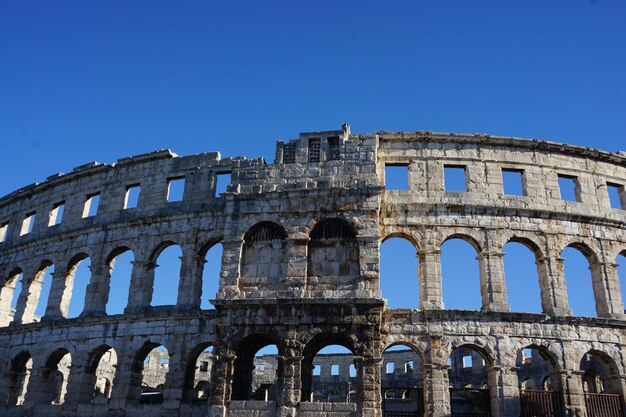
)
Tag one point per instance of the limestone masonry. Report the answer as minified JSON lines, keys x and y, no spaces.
{"x":300,"y":271}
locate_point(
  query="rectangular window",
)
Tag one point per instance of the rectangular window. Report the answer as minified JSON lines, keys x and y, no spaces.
{"x":334,"y":370}
{"x":56,"y":214}
{"x":396,"y":177}
{"x":527,"y":355}
{"x":454,"y":177}
{"x":131,"y":199}
{"x":175,"y":189}
{"x":27,"y":224}
{"x":467,"y":361}
{"x":314,"y":150}
{"x":289,"y":153}
{"x":390,"y":367}
{"x":334,"y":152}
{"x":222,"y":180}
{"x":204,"y":366}
{"x":352,"y":371}
{"x":91,"y":205}
{"x":512,"y":181}
{"x":3,"y":232}
{"x":316,"y":370}
{"x":616,"y":195}
{"x":260,"y":367}
{"x":569,"y":188}
{"x":408,"y":367}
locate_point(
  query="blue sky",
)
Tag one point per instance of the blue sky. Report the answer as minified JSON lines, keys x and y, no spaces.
{"x":83,"y":81}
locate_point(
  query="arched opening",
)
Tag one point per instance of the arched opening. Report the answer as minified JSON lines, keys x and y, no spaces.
{"x":263,"y":259}
{"x":167,"y":276}
{"x":539,"y":382}
{"x":211,"y":275}
{"x":469,"y":382}
{"x":77,"y":279}
{"x":329,"y":372}
{"x":522,"y":278}
{"x":55,"y":375}
{"x":102,"y":370}
{"x":256,"y":369}
{"x":401,"y":381}
{"x":9,"y":295}
{"x":602,"y":384}
{"x":121,"y":265}
{"x":44,"y":277}
{"x":197,"y":383}
{"x":580,"y":293}
{"x":460,"y":274}
{"x":333,"y":254}
{"x":156,"y":363}
{"x":399,"y":282}
{"x":20,"y":370}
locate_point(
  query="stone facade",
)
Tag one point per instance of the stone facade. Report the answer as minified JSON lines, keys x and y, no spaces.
{"x":300,"y":270}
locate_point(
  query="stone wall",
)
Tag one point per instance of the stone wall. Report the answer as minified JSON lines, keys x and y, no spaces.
{"x":300,"y":270}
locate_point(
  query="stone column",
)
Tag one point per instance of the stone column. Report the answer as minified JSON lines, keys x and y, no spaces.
{"x":553,"y":289}
{"x":369,"y":265}
{"x":368,"y":385}
{"x":40,"y":389}
{"x":80,"y":383}
{"x":229,"y":275}
{"x":222,"y":381}
{"x":492,"y":286}
{"x":606,"y":290}
{"x":190,"y":283}
{"x":436,"y":389}
{"x":97,"y":292}
{"x":295,"y":279}
{"x":429,"y":273}
{"x":503,"y":391}
{"x":574,"y":393}
{"x":141,"y":286}
{"x":289,"y":383}
{"x":126,"y":382}
{"x":173,"y":387}
{"x":60,"y":294}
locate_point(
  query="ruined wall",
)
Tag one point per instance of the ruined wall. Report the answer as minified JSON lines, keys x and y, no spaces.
{"x":299,"y":270}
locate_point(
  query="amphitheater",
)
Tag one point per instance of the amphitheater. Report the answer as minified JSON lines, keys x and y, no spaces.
{"x":300,"y":272}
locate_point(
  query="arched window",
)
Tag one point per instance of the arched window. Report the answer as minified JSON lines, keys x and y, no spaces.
{"x":600,"y":376}
{"x":534,"y":367}
{"x":333,"y":250}
{"x":460,"y":275}
{"x":102,"y":371}
{"x":398,"y":273}
{"x":469,"y":382}
{"x":77,"y":279}
{"x":264,"y":255}
{"x":18,"y":378}
{"x":56,"y":372}
{"x":9,"y":295}
{"x":156,"y":364}
{"x":621,"y":273}
{"x":401,"y":380}
{"x":197,"y":384}
{"x":580,"y":294}
{"x":167,"y":276}
{"x":522,"y":279}
{"x":211,"y":275}
{"x":256,"y":369}
{"x":121,"y":264}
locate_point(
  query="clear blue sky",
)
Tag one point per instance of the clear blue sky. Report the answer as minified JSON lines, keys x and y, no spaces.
{"x":83,"y":81}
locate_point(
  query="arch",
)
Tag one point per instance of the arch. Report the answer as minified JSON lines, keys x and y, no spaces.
{"x":334,"y":375}
{"x":76,"y":281}
{"x":401,"y":235}
{"x":464,"y":236}
{"x":18,"y":378}
{"x":460,"y":281}
{"x":398,"y":273}
{"x":620,"y":262}
{"x":166,"y":274}
{"x":600,"y":373}
{"x":585,"y":249}
{"x":211,"y":253}
{"x":522,"y":276}
{"x":119,"y":261}
{"x":9,"y":293}
{"x":100,"y":371}
{"x":333,"y":253}
{"x":468,"y":380}
{"x":537,"y":364}
{"x":244,"y":366}
{"x":197,"y":381}
{"x":402,"y":378}
{"x":264,"y":256}
{"x":53,"y":384}
{"x":578,"y":274}
{"x":149,"y":371}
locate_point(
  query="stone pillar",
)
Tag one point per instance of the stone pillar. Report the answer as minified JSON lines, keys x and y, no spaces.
{"x":369,"y":266}
{"x":574,"y":393}
{"x":295,"y":279}
{"x":28,"y":299}
{"x":368,"y":385}
{"x":503,"y":391}
{"x":141,"y":286}
{"x":173,"y":387}
{"x":190,"y":283}
{"x":80,"y":383}
{"x":436,"y":389}
{"x":552,"y":283}
{"x":97,"y":292}
{"x":7,"y":292}
{"x":40,"y":389}
{"x":229,"y":275}
{"x":60,"y":294}
{"x":222,"y":381}
{"x":126,"y":382}
{"x":606,"y":290}
{"x":289,"y":383}
{"x":492,"y":286}
{"x":429,"y":273}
